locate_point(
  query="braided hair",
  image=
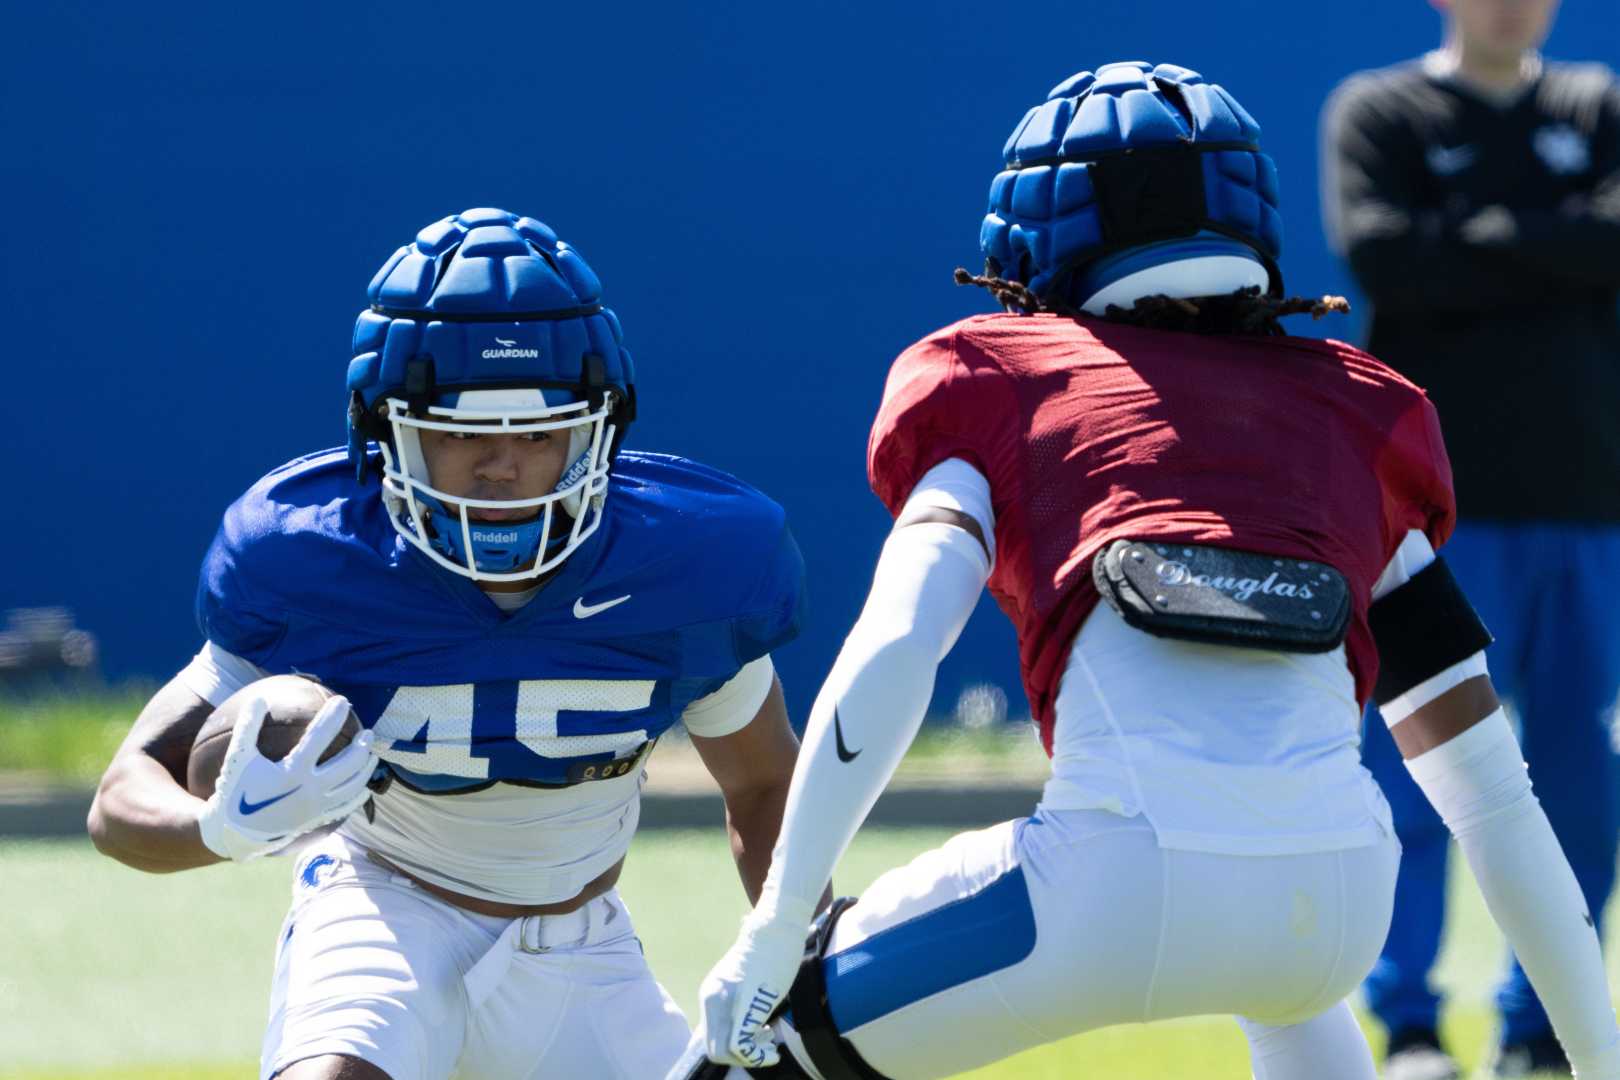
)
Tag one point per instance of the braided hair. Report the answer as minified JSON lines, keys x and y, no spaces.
{"x":1246,"y":311}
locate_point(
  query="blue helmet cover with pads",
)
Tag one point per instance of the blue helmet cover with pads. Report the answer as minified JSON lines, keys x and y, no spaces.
{"x":480,"y":302}
{"x":1149,"y":162}
{"x":493,"y":299}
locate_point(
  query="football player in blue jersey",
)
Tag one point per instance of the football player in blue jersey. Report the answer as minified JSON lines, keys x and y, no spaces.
{"x":516,"y":611}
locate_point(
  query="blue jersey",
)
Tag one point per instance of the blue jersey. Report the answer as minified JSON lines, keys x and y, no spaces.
{"x":691,"y":575}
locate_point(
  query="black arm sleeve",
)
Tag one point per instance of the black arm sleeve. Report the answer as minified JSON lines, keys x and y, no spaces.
{"x":1422,"y":628}
{"x":1405,"y":257}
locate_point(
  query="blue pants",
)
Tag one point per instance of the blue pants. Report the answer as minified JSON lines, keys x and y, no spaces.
{"x":1543,"y":591}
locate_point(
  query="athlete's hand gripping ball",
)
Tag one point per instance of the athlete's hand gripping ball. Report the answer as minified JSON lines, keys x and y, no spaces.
{"x":260,"y":805}
{"x":746,"y":989}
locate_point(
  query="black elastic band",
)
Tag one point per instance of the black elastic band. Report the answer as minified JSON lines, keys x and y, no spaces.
{"x":1421,"y":629}
{"x":834,"y":1056}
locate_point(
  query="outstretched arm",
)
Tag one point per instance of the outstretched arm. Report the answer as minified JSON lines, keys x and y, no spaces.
{"x":933,"y":567}
{"x":1461,"y":751}
{"x":753,"y":766}
{"x":873,"y":701}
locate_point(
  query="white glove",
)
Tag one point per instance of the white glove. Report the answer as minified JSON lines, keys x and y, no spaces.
{"x":749,"y":984}
{"x":261,"y":805}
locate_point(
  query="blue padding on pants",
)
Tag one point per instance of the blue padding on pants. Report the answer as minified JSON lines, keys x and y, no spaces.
{"x":1556,"y":660}
{"x":964,"y":940}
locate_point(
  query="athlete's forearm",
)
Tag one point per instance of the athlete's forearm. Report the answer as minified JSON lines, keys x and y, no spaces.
{"x":1463,"y":754}
{"x":753,"y":766}
{"x":1573,"y":245}
{"x":142,"y":815}
{"x":142,"y":818}
{"x":1435,"y":694}
{"x":753,"y":821}
{"x":859,"y":729}
{"x":872,"y":703}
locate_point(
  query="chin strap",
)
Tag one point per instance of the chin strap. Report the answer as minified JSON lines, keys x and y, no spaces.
{"x":498,"y":547}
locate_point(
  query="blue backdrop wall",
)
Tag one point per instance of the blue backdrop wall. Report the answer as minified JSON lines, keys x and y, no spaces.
{"x":195,"y":197}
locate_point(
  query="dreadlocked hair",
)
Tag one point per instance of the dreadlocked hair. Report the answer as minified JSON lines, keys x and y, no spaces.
{"x":1246,"y":311}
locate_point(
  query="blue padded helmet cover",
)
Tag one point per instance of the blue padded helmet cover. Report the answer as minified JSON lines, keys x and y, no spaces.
{"x":1126,"y":156}
{"x":495,"y":300}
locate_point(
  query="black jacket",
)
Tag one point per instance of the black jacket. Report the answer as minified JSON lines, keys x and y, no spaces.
{"x":1487,"y":238}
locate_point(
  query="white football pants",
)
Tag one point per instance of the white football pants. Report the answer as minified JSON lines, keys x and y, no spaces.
{"x":1045,"y":927}
{"x":371,"y":966}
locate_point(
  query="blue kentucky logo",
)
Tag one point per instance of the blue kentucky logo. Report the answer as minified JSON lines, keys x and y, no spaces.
{"x":311,"y":874}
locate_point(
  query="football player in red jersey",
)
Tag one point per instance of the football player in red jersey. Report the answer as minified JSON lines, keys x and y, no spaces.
{"x":1216,"y":542}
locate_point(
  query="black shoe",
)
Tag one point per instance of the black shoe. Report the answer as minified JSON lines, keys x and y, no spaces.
{"x":1533,"y":1057}
{"x":1416,"y":1054}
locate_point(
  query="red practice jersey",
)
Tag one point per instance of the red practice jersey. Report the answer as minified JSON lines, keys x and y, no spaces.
{"x":1090,"y":432}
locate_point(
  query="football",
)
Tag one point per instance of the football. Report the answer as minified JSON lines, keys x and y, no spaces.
{"x":293,"y":699}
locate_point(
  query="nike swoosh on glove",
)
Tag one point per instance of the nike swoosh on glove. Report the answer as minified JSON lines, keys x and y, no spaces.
{"x":745,"y":990}
{"x":260,"y":806}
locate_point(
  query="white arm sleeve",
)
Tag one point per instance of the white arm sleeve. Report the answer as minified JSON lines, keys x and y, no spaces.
{"x":731,"y":707}
{"x":215,"y":674}
{"x":869,"y":709}
{"x":1478,"y":783}
{"x":953,"y":484}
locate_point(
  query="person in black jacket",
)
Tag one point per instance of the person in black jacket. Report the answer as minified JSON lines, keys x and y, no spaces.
{"x":1476,"y":195}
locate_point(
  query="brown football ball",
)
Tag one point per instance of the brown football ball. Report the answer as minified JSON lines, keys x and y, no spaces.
{"x":293,"y":699}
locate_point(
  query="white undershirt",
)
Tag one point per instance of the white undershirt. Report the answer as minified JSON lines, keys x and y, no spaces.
{"x":1221,"y":749}
{"x":509,"y":602}
{"x":507,"y":843}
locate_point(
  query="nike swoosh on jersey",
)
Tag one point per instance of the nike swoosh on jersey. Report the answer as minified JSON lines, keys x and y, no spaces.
{"x":582,"y":610}
{"x":254,"y":807}
{"x":845,"y":754}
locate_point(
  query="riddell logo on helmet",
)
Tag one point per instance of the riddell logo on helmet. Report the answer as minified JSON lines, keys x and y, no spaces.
{"x":576,"y":471}
{"x":484,"y":537}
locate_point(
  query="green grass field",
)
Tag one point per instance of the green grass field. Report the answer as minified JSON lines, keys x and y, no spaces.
{"x":68,"y":737}
{"x":107,"y":973}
